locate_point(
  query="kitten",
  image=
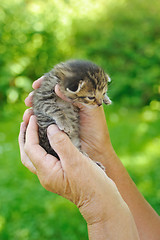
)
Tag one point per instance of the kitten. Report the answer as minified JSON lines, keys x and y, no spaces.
{"x":82,"y":82}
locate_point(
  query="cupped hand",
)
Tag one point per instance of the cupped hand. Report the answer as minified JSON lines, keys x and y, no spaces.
{"x":95,"y":140}
{"x":75,"y":177}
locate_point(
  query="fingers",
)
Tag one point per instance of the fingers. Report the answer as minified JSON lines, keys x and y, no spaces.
{"x":36,"y":84}
{"x":33,"y":156}
{"x":46,"y":165}
{"x":28,"y":100}
{"x":32,"y":131}
{"x":32,"y":148}
{"x":37,"y":155}
{"x":60,"y":94}
{"x":26,"y":116}
{"x":63,"y":146}
{"x":24,"y":158}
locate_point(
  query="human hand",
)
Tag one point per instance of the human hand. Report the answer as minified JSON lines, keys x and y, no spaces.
{"x":75,"y":176}
{"x":95,"y":140}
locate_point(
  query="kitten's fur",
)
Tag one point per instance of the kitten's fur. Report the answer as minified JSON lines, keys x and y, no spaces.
{"x":80,"y":81}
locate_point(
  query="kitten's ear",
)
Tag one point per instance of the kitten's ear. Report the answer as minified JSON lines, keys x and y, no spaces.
{"x":75,"y":88}
{"x":61,"y":71}
{"x":108,"y":77}
{"x":107,"y":100}
{"x":62,"y":74}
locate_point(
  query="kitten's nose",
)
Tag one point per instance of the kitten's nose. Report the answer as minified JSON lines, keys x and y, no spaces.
{"x":99,"y":102}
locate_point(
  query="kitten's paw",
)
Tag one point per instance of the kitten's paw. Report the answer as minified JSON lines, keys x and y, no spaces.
{"x":64,"y":127}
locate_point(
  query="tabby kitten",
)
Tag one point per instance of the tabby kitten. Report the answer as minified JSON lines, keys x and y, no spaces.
{"x":82,"y":82}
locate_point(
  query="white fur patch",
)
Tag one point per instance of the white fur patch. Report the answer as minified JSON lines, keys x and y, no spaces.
{"x":109,"y":79}
{"x":107,"y":100}
{"x":81,"y":83}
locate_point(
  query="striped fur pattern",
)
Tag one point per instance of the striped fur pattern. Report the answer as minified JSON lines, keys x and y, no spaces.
{"x":81,"y":81}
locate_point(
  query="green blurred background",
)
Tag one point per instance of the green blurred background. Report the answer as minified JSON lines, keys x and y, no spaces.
{"x":122,"y":36}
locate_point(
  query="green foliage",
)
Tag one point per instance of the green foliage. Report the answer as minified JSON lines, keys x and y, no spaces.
{"x":123,"y":36}
{"x":126,"y":42}
{"x":135,"y":137}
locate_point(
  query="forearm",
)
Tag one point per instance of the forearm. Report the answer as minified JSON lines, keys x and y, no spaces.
{"x":146,"y":219}
{"x":121,"y":226}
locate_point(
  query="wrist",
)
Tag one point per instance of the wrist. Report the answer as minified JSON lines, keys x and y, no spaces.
{"x":101,"y":151}
{"x":105,"y":203}
{"x":106,"y":154}
{"x":120,"y":226}
{"x":93,"y":213}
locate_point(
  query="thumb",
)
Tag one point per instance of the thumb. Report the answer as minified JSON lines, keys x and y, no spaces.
{"x":61,"y":144}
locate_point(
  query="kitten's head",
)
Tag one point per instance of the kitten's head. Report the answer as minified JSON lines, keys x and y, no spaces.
{"x":83,"y":82}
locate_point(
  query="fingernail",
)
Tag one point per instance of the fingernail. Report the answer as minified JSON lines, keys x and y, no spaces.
{"x":34,"y":82}
{"x":28,"y":110}
{"x":52,"y":129}
{"x":30,"y":94}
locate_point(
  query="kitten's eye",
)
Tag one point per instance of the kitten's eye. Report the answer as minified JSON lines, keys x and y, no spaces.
{"x":90,"y":98}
